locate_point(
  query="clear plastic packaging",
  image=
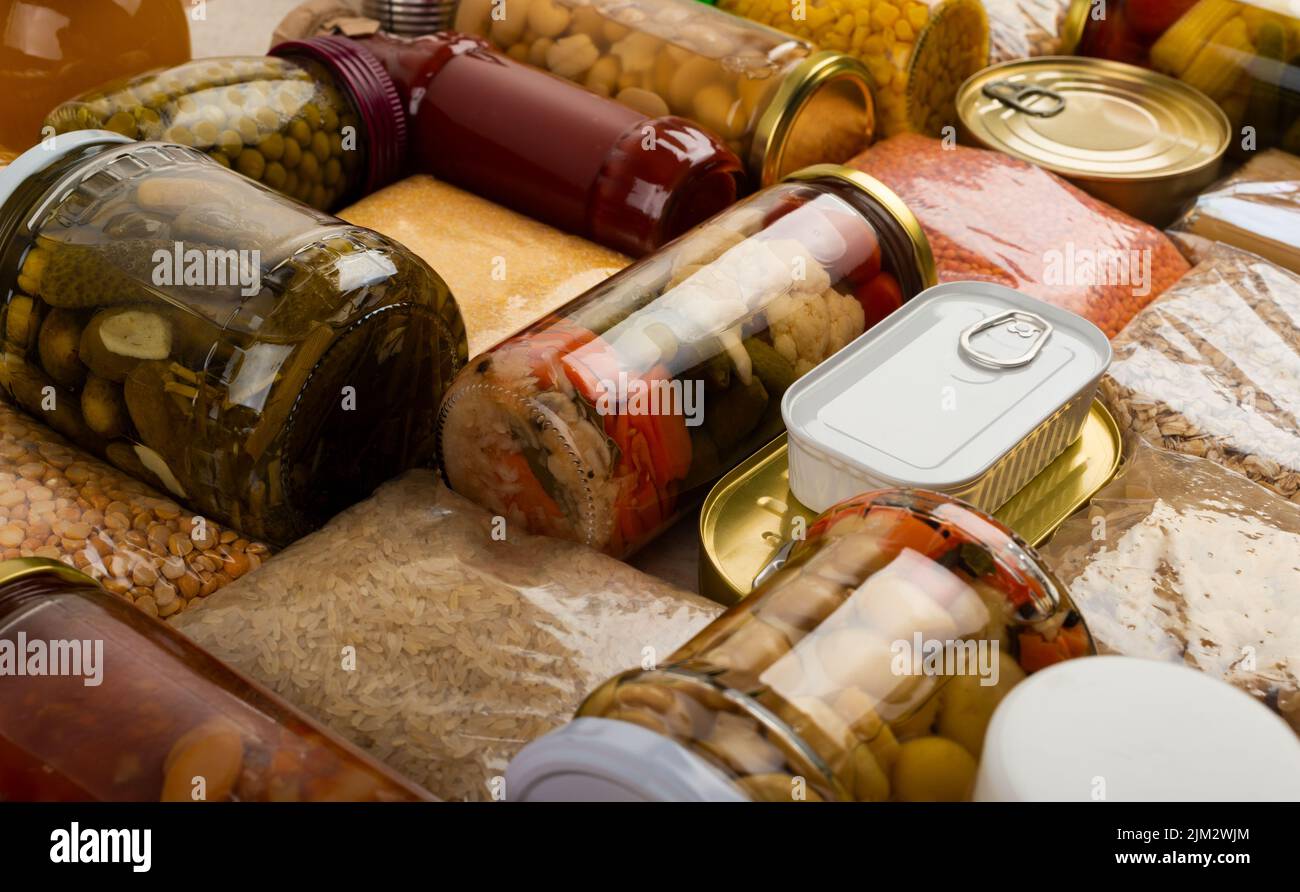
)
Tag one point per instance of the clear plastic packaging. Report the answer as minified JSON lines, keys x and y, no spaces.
{"x":123,"y":709}
{"x":918,"y":51}
{"x":1212,"y":369}
{"x":1243,"y":55}
{"x":868,"y":667}
{"x":1180,"y":559}
{"x":777,"y":102}
{"x":1257,"y":209}
{"x":1022,"y":29}
{"x":469,"y":638}
{"x":506,"y":270}
{"x":606,"y":420}
{"x":259,"y":361}
{"x":60,"y":503}
{"x":993,"y":218}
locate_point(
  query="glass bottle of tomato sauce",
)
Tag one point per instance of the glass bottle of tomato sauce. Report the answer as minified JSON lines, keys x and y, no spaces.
{"x":547,"y":147}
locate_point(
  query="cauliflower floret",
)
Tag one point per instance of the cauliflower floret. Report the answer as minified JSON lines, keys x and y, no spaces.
{"x":808,"y":328}
{"x":802,"y":271}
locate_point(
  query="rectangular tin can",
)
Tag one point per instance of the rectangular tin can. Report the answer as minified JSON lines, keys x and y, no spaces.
{"x":751,"y":513}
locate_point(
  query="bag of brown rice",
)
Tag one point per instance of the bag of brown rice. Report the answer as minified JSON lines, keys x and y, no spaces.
{"x":420,"y":628}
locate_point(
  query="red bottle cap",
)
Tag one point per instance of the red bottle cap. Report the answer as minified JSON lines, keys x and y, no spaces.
{"x":373,"y":93}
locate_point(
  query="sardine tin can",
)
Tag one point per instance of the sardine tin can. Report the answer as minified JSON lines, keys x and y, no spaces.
{"x":751,"y":514}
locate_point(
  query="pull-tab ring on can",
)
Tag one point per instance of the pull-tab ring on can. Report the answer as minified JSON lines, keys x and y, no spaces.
{"x":1019,"y":319}
{"x":1021,"y":96}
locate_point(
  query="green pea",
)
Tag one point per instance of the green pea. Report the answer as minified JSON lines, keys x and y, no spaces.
{"x":333,"y":172}
{"x":318,"y":197}
{"x":320,"y":146}
{"x":292,"y":153}
{"x":309,"y":168}
{"x":267,"y":118}
{"x":272,"y":147}
{"x":336,"y":145}
{"x":220,"y":157}
{"x":312,"y":115}
{"x":290,"y":186}
{"x":205,"y":133}
{"x":275,"y":175}
{"x":247,"y":128}
{"x":300,"y":131}
{"x":179,"y":134}
{"x":330,"y":118}
{"x":230,"y":142}
{"x":251,"y":164}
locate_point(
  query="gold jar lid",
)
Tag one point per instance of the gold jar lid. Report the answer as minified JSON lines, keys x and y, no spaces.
{"x":1073,"y":25}
{"x":822,"y":110}
{"x":889,"y":201}
{"x":1093,"y":119}
{"x":20,"y":568}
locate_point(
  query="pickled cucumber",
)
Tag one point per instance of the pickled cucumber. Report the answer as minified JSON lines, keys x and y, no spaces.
{"x":22,"y":321}
{"x":156,"y":411}
{"x":770,"y":367}
{"x":79,"y":276}
{"x":103,"y":408}
{"x":117,"y":338}
{"x":731,"y":416}
{"x":59,"y":347}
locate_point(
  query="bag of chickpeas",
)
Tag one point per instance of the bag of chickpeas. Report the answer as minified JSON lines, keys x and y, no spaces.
{"x":58,"y":502}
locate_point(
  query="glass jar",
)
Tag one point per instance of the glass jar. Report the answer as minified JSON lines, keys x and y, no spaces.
{"x":918,"y":51}
{"x":778,"y":102}
{"x":559,"y":154}
{"x":607,"y":419}
{"x":866,"y":669}
{"x":1243,"y":55}
{"x":320,"y":125}
{"x":121,"y":708}
{"x":262,"y":362}
{"x":51,"y":50}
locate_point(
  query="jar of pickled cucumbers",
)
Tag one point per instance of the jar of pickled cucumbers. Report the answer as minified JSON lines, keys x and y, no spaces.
{"x":607,"y":419}
{"x":261,"y":361}
{"x":865,"y":669}
{"x":777,"y":101}
{"x":322,"y":123}
{"x":918,"y":51}
{"x":51,"y":50}
{"x":1243,"y":55}
{"x":102,"y":703}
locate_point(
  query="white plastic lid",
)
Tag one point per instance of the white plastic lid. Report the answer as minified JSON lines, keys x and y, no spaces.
{"x":606,"y":760}
{"x":1126,"y":730}
{"x":46,"y":152}
{"x":914,"y":403}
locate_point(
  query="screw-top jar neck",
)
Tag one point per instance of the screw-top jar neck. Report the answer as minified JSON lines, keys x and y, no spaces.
{"x":372,"y":92}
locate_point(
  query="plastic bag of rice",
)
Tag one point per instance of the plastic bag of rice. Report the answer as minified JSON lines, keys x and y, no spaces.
{"x":418,"y":627}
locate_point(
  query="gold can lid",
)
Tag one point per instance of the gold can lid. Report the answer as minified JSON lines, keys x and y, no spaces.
{"x":822,"y":110}
{"x":889,"y":201}
{"x":20,"y":568}
{"x":1093,"y":119}
{"x":1073,"y":25}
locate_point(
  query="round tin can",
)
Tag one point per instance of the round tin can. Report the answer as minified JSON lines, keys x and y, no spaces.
{"x":1138,"y":140}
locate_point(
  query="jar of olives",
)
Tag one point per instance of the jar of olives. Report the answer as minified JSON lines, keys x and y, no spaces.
{"x":322,"y":124}
{"x":103,"y":703}
{"x":263,"y":362}
{"x":866,"y":669}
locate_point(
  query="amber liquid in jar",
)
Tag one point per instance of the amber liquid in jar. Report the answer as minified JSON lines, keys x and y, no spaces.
{"x":51,"y":50}
{"x":150,"y":716}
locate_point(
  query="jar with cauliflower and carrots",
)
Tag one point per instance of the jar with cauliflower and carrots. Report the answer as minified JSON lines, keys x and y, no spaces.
{"x":866,"y":669}
{"x":606,"y":420}
{"x":918,"y":51}
{"x":778,"y":102}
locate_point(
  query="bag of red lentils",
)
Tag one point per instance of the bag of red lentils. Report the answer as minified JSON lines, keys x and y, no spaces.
{"x":993,"y":218}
